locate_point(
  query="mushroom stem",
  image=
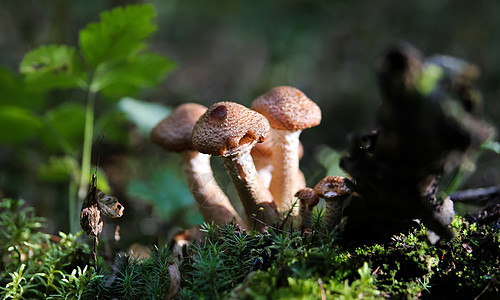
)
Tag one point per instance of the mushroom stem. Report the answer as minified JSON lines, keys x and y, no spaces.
{"x":333,"y":210}
{"x":308,"y":200}
{"x":262,"y":158}
{"x":265,"y":173}
{"x":210,"y":199}
{"x":285,"y":180}
{"x":256,"y":199}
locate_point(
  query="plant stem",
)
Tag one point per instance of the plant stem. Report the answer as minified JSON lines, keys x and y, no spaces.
{"x":87,"y":145}
{"x":457,"y":180}
{"x":73,"y":209}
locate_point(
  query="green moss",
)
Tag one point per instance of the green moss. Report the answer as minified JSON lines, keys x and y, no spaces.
{"x":232,"y":263}
{"x":265,"y":285}
{"x":33,"y":265}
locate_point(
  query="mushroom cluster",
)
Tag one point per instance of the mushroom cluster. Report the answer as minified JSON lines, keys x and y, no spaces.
{"x":429,"y":121}
{"x":260,"y":150}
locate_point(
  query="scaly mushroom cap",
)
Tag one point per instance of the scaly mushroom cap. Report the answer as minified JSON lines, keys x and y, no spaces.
{"x":308,"y":197}
{"x":332,"y":186}
{"x":174,"y":132}
{"x":228,"y":127}
{"x":287,"y":108}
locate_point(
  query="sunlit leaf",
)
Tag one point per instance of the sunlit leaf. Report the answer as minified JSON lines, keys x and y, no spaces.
{"x":17,"y":124}
{"x":128,"y":77}
{"x":492,"y":146}
{"x":431,"y":74}
{"x":102,"y":180}
{"x":144,"y":115}
{"x":120,"y":33}
{"x":329,"y":159}
{"x":53,"y":66}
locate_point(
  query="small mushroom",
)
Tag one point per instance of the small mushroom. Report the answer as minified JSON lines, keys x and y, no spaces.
{"x":230,"y":130}
{"x":288,"y":111}
{"x":334,"y":190}
{"x":308,"y":200}
{"x":174,"y":134}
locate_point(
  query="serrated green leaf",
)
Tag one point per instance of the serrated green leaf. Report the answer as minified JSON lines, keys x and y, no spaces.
{"x":13,"y":91}
{"x":64,"y":127}
{"x":53,"y":66}
{"x":129,"y":77}
{"x":17,"y":124}
{"x":144,"y":115}
{"x":120,"y":33}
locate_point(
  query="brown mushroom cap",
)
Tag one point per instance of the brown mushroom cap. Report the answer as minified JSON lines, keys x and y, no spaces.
{"x":174,"y":132}
{"x":227,"y":127}
{"x":307,"y":196}
{"x":287,"y":108}
{"x":332,"y":186}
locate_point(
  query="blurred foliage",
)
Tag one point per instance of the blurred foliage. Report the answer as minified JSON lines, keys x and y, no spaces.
{"x":329,"y":159}
{"x":165,"y":188}
{"x":224,"y":50}
{"x":112,"y":61}
{"x":143,"y":114}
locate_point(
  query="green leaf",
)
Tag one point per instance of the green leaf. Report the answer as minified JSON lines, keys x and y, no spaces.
{"x":492,"y":146}
{"x":53,"y":66}
{"x":64,"y":127}
{"x":165,"y":189}
{"x":113,"y":125}
{"x":330,"y":158}
{"x":129,"y":77}
{"x":102,"y":180}
{"x":13,"y":91}
{"x":58,"y":169}
{"x":17,"y":124}
{"x":431,"y":74}
{"x":120,"y":33}
{"x":143,"y":114}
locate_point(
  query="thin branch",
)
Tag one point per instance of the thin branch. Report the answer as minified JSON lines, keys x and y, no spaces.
{"x":476,"y":196}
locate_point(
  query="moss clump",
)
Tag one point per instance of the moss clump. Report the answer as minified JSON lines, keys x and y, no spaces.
{"x":271,"y":285}
{"x":35,"y":264}
{"x":406,"y":267}
{"x":232,"y":263}
{"x":466,"y":266}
